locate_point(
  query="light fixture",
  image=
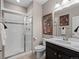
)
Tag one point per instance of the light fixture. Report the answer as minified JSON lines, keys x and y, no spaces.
{"x":18,"y":1}
{"x":65,"y":1}
{"x":65,"y":4}
{"x":77,"y":1}
{"x":57,"y":5}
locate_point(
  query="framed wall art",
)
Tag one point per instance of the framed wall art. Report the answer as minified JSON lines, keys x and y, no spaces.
{"x":47,"y":24}
{"x":64,"y":20}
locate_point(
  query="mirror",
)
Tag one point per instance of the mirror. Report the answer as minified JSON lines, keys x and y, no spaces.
{"x":60,"y":17}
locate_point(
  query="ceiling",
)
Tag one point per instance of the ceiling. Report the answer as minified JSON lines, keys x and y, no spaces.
{"x":42,"y":1}
{"x":23,"y":3}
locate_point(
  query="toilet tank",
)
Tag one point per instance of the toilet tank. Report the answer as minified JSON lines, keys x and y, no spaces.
{"x":44,"y":42}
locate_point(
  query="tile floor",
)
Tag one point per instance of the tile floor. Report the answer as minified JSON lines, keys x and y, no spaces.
{"x":30,"y":56}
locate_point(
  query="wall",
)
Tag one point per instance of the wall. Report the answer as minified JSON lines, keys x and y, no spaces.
{"x":37,"y":20}
{"x":72,"y":11}
{"x":48,"y":8}
{"x":30,"y":10}
{"x":0,"y":35}
{"x":14,"y":7}
{"x":0,"y":4}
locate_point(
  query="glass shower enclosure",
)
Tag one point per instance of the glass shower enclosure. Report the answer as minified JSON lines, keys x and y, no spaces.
{"x":18,"y":34}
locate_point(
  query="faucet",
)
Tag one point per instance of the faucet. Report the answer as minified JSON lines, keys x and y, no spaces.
{"x":64,"y":37}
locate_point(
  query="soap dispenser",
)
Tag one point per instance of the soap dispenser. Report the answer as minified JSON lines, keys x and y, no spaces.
{"x":63,"y":32}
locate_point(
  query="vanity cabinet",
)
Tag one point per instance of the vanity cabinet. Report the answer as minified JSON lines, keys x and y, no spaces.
{"x":57,"y":52}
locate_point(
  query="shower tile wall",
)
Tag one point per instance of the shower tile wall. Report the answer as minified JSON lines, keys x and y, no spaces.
{"x":28,"y":34}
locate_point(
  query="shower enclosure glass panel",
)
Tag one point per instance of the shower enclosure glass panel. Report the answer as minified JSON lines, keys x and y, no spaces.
{"x":15,"y":39}
{"x":14,"y":33}
{"x":28,"y":34}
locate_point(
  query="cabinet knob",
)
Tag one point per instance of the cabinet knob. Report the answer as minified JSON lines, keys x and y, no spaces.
{"x":71,"y":58}
{"x":55,"y":53}
{"x":59,"y":56}
{"x":74,"y":58}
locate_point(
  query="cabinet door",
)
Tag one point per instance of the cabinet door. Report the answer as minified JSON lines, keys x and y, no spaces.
{"x":63,"y":56}
{"x":51,"y":54}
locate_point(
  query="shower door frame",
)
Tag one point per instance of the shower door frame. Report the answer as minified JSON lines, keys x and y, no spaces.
{"x":24,"y":24}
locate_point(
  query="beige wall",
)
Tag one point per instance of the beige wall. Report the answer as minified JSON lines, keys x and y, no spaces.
{"x":0,"y":36}
{"x":48,"y":8}
{"x":14,"y":7}
{"x":37,"y":20}
{"x":0,"y":4}
{"x":30,"y":10}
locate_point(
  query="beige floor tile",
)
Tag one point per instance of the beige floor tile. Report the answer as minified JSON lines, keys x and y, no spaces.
{"x":29,"y":56}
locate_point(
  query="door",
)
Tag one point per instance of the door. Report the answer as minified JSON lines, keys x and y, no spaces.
{"x":63,"y":56}
{"x":14,"y":34}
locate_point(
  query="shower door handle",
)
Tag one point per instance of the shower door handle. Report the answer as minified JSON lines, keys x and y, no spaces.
{"x":0,"y":50}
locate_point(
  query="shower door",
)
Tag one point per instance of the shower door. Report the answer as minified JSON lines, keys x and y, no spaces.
{"x":14,"y":43}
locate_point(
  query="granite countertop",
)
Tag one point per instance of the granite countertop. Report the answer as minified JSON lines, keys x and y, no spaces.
{"x":72,"y":45}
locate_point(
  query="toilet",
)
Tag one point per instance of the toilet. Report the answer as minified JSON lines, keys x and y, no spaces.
{"x":40,"y":50}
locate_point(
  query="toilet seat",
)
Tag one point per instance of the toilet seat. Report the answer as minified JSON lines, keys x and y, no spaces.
{"x":39,"y":48}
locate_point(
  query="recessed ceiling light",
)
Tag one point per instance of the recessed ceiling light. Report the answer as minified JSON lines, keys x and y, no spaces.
{"x":18,"y":0}
{"x":57,"y":5}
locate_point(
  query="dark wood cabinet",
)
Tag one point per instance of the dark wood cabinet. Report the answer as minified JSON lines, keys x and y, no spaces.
{"x":63,"y":56}
{"x":57,"y":52}
{"x":51,"y":54}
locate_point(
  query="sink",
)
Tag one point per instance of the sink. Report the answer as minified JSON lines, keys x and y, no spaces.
{"x":63,"y":41}
{"x":74,"y":43}
{"x":73,"y":39}
{"x":71,"y":43}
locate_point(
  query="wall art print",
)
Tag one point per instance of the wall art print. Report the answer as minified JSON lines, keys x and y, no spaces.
{"x":64,"y":20}
{"x":47,"y":24}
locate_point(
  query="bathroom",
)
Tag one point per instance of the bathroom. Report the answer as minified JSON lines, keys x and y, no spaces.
{"x":39,"y":29}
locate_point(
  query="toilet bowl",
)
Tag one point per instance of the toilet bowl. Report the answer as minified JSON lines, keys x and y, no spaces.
{"x":40,"y":49}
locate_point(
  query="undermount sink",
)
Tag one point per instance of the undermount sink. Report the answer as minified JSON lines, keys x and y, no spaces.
{"x":70,"y":42}
{"x":63,"y":41}
{"x":74,"y":43}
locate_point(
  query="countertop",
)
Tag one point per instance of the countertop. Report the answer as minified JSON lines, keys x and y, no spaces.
{"x":72,"y":45}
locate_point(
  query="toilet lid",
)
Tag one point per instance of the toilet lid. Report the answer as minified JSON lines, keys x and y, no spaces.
{"x":40,"y":47}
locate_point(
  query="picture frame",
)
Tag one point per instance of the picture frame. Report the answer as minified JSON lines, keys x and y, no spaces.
{"x":47,"y":24}
{"x":64,"y":20}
